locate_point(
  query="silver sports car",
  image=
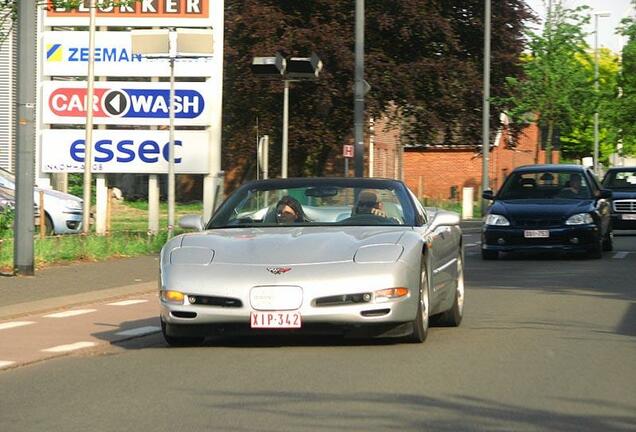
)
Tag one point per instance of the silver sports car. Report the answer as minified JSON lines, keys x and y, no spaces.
{"x":350,"y":256}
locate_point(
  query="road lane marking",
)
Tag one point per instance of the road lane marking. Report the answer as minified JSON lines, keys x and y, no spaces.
{"x":139,"y":331}
{"x":69,"y":347}
{"x":14,"y":324}
{"x":5,"y":363}
{"x":127,"y":302}
{"x":620,"y":255}
{"x":71,"y":313}
{"x":473,"y":244}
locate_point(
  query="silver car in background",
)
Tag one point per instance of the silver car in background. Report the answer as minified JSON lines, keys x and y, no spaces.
{"x":62,"y":212}
{"x":347,"y":256}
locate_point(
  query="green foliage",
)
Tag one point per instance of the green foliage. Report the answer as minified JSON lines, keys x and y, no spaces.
{"x":625,"y":107}
{"x":7,"y":217}
{"x":557,"y":84}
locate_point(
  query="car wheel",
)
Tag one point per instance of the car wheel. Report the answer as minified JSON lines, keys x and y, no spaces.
{"x":420,"y":324}
{"x":453,"y":316}
{"x":596,"y":251}
{"x":179,"y":341}
{"x":608,"y":241}
{"x":489,"y":254}
{"x":49,"y":228}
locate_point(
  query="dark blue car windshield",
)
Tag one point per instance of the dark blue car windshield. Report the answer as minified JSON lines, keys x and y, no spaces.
{"x":545,"y":185}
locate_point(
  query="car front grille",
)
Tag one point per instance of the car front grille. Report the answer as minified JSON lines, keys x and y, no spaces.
{"x":538,"y":223}
{"x":625,"y":206}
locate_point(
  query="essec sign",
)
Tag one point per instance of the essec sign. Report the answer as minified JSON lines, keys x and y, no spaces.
{"x":124,"y":151}
{"x":139,"y":103}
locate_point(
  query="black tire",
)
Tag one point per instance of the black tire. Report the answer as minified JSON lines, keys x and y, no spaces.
{"x":489,"y":255}
{"x":608,"y":241}
{"x":49,"y":228}
{"x":176,"y":341}
{"x":421,"y":322}
{"x":453,"y":316}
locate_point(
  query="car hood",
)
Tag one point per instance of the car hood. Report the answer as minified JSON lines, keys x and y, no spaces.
{"x":290,"y":245}
{"x":57,"y":194}
{"x":552,"y":208}
{"x":618,"y":194}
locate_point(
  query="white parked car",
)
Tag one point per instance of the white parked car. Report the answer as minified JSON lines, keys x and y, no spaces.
{"x":62,"y":211}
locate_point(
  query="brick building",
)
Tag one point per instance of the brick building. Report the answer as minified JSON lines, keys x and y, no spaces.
{"x":441,"y":172}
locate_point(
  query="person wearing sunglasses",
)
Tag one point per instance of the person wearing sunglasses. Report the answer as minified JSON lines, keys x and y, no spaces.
{"x":289,"y":211}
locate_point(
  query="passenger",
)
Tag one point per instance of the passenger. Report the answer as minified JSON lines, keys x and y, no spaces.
{"x":368,"y":204}
{"x":574,"y":186}
{"x":289,"y":210}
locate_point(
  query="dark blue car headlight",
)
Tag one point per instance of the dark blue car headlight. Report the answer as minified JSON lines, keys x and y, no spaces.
{"x":580,"y":219}
{"x":496,"y":220}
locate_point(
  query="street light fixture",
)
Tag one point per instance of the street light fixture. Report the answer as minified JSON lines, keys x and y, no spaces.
{"x":597,"y":14}
{"x":294,"y":69}
{"x":172,"y":44}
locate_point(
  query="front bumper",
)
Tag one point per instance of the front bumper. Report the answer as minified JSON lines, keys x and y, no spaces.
{"x":569,"y":238}
{"x":619,"y":221}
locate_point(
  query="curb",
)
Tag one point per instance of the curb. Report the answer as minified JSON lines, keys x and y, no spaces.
{"x":67,"y":302}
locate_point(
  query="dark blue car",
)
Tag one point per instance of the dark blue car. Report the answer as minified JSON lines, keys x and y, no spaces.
{"x":622,"y":182}
{"x":548,"y":207}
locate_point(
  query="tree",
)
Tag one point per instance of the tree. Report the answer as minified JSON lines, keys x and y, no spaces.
{"x":625,"y":111}
{"x":423,"y":61}
{"x":556,"y":81}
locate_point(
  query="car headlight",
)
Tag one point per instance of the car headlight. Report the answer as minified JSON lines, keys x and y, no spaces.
{"x":497,"y":220}
{"x":390,"y":294}
{"x":580,"y":219}
{"x":73,"y":204}
{"x":174,"y":297}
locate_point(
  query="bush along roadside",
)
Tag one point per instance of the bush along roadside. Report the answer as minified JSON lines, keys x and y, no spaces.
{"x":7,"y":216}
{"x":70,"y":248}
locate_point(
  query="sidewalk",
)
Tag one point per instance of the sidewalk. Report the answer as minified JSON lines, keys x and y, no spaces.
{"x":74,"y":284}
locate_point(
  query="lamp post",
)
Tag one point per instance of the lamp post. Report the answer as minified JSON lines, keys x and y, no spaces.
{"x":597,"y":14}
{"x":291,"y":70}
{"x":172,"y":44}
{"x":88,"y":141}
{"x":485,"y":129}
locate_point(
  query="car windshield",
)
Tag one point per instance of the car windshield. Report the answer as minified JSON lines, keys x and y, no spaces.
{"x":299,"y":203}
{"x":618,"y":179}
{"x":545,"y":185}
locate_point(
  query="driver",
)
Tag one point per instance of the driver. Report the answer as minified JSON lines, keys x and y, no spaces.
{"x":368,"y":204}
{"x":289,"y":210}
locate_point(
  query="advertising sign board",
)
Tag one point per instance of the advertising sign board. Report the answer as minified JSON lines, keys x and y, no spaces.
{"x":126,"y":103}
{"x":173,"y":13}
{"x":65,"y":53}
{"x":124,"y":151}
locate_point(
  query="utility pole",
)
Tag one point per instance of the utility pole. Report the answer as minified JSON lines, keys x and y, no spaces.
{"x":485,"y":132}
{"x":25,"y":134}
{"x":358,"y":103}
{"x":88,"y":141}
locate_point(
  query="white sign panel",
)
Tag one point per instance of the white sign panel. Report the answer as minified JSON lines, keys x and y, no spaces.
{"x":126,"y":103}
{"x":124,"y":151}
{"x":169,"y":13}
{"x":65,"y":53}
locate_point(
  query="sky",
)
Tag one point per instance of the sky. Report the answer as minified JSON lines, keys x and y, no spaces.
{"x":619,"y":9}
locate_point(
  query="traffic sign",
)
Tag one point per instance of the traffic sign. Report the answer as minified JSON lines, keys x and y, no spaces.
{"x":347,"y":151}
{"x":126,"y":103}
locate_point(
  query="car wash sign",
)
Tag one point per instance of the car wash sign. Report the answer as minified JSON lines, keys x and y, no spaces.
{"x":126,"y":103}
{"x":65,"y":53}
{"x":174,"y":13}
{"x":124,"y":151}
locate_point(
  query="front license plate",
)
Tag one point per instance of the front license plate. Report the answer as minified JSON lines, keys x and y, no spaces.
{"x":274,"y":319}
{"x":536,"y":233}
{"x":629,"y":216}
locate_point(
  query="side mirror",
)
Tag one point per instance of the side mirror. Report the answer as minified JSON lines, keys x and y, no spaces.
{"x":488,"y":194}
{"x":605,"y":194}
{"x":445,"y":218}
{"x":194,"y":222}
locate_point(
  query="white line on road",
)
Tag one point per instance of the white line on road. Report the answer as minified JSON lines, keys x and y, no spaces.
{"x":14,"y":324}
{"x":127,"y":302}
{"x":473,"y":244}
{"x":4,"y":363}
{"x":620,"y":255}
{"x":70,"y":313}
{"x":70,"y":347}
{"x":139,"y":331}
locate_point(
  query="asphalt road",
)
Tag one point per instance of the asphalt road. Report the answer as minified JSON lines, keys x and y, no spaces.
{"x":547,"y":343}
